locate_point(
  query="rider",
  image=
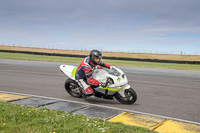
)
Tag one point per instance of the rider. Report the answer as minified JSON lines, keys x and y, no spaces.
{"x":85,"y":69}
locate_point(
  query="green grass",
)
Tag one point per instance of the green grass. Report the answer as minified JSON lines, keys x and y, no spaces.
{"x":155,"y":65}
{"x":26,"y":119}
{"x":4,"y":55}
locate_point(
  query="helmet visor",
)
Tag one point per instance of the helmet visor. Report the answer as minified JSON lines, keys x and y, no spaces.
{"x":97,"y":59}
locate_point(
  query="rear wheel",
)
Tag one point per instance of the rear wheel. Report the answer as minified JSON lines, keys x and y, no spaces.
{"x":130,"y":96}
{"x":72,"y":88}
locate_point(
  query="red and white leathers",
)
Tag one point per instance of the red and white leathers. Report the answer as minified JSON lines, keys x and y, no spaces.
{"x":84,"y":74}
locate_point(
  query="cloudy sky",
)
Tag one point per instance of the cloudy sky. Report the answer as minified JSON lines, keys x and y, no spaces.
{"x":158,"y":26}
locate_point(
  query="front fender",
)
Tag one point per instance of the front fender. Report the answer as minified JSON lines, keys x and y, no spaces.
{"x":121,"y":92}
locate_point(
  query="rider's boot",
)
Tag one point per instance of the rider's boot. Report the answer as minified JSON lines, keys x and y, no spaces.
{"x":87,"y":92}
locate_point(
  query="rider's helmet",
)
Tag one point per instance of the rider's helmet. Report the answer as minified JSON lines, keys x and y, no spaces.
{"x":95,"y":54}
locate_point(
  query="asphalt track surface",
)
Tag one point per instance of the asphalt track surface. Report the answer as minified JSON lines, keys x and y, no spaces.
{"x":165,"y":92}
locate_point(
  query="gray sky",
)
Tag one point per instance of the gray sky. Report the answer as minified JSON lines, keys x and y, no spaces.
{"x":169,"y":26}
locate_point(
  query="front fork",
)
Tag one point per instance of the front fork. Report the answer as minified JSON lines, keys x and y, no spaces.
{"x":121,"y":91}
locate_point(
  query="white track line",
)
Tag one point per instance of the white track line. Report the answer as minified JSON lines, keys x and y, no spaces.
{"x":126,"y":110}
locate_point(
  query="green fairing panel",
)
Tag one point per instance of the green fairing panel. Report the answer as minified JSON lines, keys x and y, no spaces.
{"x":74,"y":72}
{"x":110,"y":89}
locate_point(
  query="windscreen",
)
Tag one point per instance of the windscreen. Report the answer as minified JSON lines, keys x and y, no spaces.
{"x":112,"y":72}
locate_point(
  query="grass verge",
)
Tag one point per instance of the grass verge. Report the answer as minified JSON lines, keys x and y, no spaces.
{"x":26,"y":119}
{"x":19,"y":56}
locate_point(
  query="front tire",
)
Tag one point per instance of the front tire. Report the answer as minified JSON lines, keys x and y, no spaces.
{"x":130,"y":96}
{"x":71,"y":87}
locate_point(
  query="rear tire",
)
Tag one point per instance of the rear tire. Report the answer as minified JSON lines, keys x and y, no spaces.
{"x":130,"y":96}
{"x":71,"y":87}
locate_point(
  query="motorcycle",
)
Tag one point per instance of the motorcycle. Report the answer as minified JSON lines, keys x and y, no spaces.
{"x":115,"y":81}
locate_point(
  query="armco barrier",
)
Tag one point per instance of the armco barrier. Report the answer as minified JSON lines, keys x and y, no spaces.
{"x":105,"y":57}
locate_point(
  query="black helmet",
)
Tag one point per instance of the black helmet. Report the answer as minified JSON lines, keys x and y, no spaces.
{"x":95,"y":54}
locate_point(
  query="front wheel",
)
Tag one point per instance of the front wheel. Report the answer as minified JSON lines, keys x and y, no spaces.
{"x":130,"y":96}
{"x":71,"y":87}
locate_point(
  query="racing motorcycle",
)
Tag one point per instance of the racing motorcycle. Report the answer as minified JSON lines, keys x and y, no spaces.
{"x":116,"y":84}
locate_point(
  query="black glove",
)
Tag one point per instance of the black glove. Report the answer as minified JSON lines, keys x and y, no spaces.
{"x":102,"y":84}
